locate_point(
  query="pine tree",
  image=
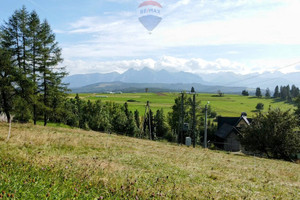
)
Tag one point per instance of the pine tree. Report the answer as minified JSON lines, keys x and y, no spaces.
{"x":276,"y":92}
{"x":294,"y":91}
{"x":268,"y":93}
{"x":34,"y":30}
{"x":137,"y":118}
{"x":126,"y":109}
{"x":51,"y":77}
{"x":7,"y":80}
{"x":174,"y":117}
{"x":258,"y":92}
{"x":15,"y":39}
{"x":34,"y":51}
{"x":160,"y":124}
{"x":297,"y":110}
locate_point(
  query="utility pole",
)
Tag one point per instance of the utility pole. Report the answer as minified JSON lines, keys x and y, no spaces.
{"x":194,"y":119}
{"x":205,"y":125}
{"x":182,"y":119}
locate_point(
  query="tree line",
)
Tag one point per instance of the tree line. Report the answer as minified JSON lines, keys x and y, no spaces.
{"x":283,"y":92}
{"x":112,"y":117}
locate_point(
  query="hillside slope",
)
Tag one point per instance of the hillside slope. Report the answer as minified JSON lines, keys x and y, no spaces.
{"x":43,"y":162}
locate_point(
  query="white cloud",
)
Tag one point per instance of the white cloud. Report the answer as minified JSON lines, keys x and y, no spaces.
{"x":186,"y":23}
{"x":194,"y":65}
{"x":116,"y":32}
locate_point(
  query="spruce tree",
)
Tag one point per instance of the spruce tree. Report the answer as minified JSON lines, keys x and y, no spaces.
{"x":276,"y":92}
{"x":258,"y":92}
{"x":137,"y":118}
{"x":35,"y":43}
{"x":50,"y":79}
{"x":268,"y":93}
{"x":160,"y":124}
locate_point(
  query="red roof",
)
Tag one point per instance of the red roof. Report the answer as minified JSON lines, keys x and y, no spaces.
{"x":148,"y":3}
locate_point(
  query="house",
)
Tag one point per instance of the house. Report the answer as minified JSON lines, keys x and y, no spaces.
{"x":228,"y":131}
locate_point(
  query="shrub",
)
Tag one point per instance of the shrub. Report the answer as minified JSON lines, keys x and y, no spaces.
{"x":260,"y":106}
{"x":272,"y":134}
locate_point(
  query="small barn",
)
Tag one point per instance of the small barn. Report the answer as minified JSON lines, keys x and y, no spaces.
{"x":228,"y":131}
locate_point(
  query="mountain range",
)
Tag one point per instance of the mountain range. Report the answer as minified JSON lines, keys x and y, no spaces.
{"x":163,"y":80}
{"x":146,"y":75}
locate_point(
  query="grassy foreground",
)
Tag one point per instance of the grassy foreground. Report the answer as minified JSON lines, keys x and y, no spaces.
{"x":229,"y":105}
{"x":59,"y":163}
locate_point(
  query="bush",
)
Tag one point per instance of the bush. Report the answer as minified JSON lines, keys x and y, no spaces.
{"x":245,"y":93}
{"x":272,"y":134}
{"x":260,"y":106}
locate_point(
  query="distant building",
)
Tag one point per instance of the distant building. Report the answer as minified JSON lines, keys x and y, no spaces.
{"x":228,"y":131}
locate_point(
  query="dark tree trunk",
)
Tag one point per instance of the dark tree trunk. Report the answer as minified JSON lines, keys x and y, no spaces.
{"x":34,"y":114}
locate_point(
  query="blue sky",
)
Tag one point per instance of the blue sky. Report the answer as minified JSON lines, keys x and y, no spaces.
{"x":198,"y":36}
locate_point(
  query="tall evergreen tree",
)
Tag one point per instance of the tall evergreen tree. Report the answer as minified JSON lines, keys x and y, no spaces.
{"x":35,"y":52}
{"x":7,"y":80}
{"x":297,"y":110}
{"x":35,"y":43}
{"x":294,"y":91}
{"x":258,"y":92}
{"x":15,"y":39}
{"x":137,"y":118}
{"x":268,"y":93}
{"x":276,"y":92}
{"x":50,"y":79}
{"x":160,"y":124}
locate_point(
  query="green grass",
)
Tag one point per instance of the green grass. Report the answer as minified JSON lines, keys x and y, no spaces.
{"x":58,"y":163}
{"x":50,"y":124}
{"x":229,"y":105}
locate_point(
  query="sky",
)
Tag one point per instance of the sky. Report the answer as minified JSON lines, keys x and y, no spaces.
{"x":197,"y":36}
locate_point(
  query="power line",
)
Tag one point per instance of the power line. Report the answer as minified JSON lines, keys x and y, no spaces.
{"x":255,"y":76}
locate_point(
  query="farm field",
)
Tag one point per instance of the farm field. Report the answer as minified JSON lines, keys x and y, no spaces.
{"x":59,"y":163}
{"x":229,"y":105}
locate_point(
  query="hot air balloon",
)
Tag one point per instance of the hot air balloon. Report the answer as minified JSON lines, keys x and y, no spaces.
{"x":150,"y":14}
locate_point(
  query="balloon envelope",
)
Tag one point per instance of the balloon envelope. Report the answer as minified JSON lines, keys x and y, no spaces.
{"x":150,"y":14}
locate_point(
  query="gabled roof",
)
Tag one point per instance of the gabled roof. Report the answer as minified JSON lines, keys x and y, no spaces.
{"x":233,"y":121}
{"x":248,"y":121}
{"x":228,"y":124}
{"x":224,"y":130}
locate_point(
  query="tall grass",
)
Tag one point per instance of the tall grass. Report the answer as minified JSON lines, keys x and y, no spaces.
{"x":58,"y":163}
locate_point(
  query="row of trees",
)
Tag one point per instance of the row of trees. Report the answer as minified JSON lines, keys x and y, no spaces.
{"x":112,"y":117}
{"x":286,"y":92}
{"x":30,"y":79}
{"x":283,"y":92}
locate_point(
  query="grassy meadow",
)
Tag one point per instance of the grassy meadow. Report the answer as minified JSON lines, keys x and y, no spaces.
{"x":229,"y":105}
{"x":62,"y":163}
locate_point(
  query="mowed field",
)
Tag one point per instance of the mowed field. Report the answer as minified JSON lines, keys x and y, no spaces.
{"x":229,"y":105}
{"x":59,"y":163}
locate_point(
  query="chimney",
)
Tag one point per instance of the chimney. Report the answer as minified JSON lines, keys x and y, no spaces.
{"x":244,"y":114}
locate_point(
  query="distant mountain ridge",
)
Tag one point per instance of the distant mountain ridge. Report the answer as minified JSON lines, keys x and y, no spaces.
{"x":155,"y":87}
{"x":147,"y":75}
